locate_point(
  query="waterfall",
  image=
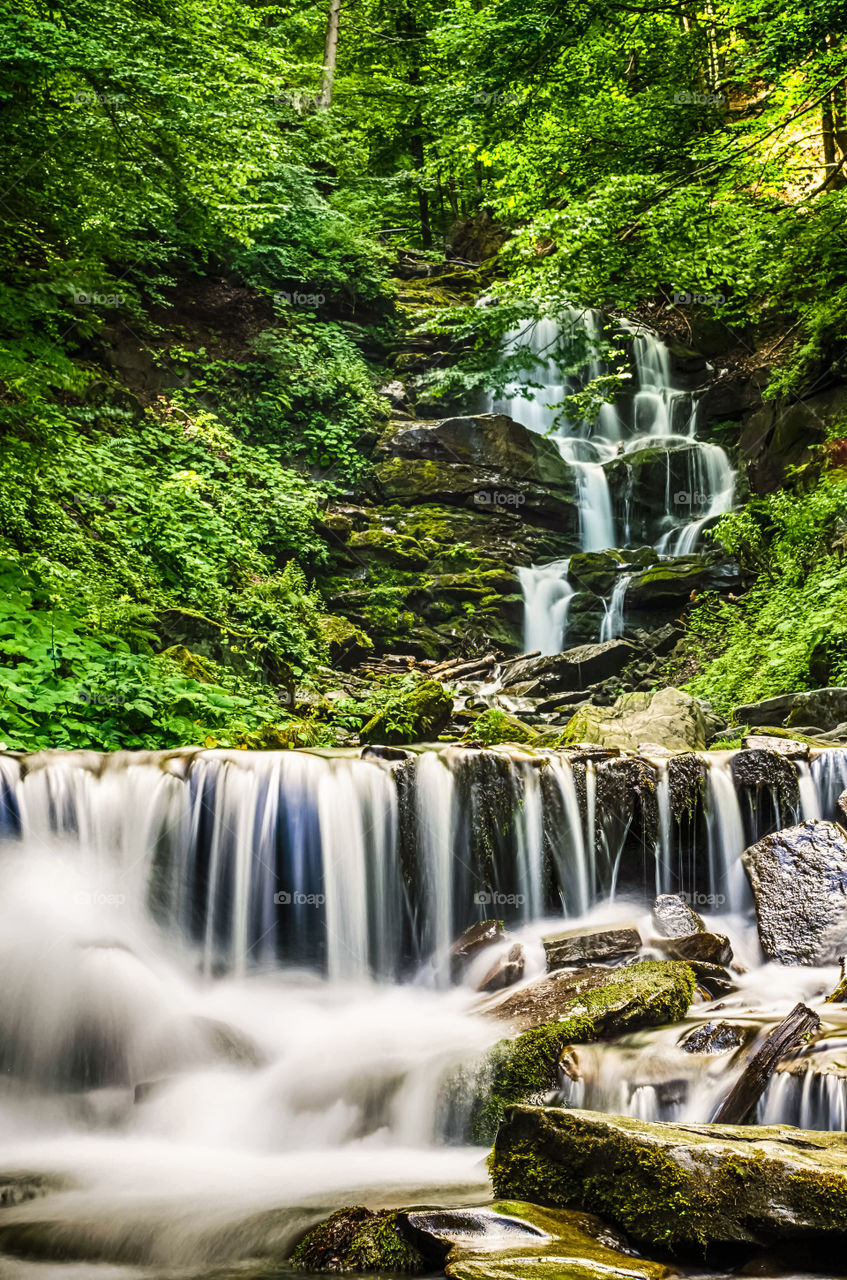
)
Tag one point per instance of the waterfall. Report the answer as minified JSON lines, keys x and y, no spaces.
{"x":657,"y":413}
{"x":829,"y":773}
{"x":612,"y":625}
{"x":726,"y":838}
{"x":547,"y":596}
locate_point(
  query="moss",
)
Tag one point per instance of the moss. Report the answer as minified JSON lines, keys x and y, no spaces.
{"x":687,"y":785}
{"x":495,"y":726}
{"x":358,"y":1239}
{"x":677,"y":1187}
{"x":525,"y":1069}
{"x":413,"y":715}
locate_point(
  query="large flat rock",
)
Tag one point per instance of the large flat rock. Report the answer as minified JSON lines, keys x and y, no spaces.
{"x":678,"y":1186}
{"x":665,"y":718}
{"x":799,"y":882}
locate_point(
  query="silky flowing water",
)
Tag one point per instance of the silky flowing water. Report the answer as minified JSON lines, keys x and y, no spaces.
{"x":225,"y":1004}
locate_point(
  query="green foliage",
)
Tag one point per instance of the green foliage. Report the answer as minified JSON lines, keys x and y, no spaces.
{"x":789,"y":632}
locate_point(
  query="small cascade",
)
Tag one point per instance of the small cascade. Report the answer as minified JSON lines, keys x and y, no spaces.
{"x":808,"y":1099}
{"x":727,"y":840}
{"x":699,"y":480}
{"x":547,"y":596}
{"x":829,"y":774}
{"x":612,"y":625}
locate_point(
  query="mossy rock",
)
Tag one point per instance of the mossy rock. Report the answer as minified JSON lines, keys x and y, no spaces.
{"x":525,"y":1069}
{"x":347,"y":642}
{"x":358,"y":1239}
{"x":190,"y":664}
{"x":495,"y":726}
{"x":678,"y":1187}
{"x":416,"y":715}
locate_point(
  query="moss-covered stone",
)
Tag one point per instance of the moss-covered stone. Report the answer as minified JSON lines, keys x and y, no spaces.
{"x":415,"y":715}
{"x":495,"y":726}
{"x":680,"y":1187}
{"x":525,"y":1069}
{"x":358,"y":1239}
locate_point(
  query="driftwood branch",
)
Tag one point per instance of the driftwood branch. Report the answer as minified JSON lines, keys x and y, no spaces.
{"x":750,"y":1085}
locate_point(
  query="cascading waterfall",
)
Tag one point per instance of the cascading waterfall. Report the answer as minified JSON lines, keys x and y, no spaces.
{"x":657,"y":414}
{"x":613,"y":609}
{"x":547,"y":597}
{"x":226,"y":1005}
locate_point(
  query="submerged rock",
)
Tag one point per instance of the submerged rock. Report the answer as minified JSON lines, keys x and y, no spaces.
{"x":513,"y":1240}
{"x":589,"y":946}
{"x":526,"y":1069}
{"x":674,"y":918}
{"x":683,"y":1187}
{"x":667,"y":718}
{"x":799,"y":882}
{"x":358,"y":1239}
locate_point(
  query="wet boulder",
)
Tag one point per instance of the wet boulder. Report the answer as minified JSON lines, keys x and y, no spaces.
{"x":714,"y":1037}
{"x":765,"y":774}
{"x":666,"y":718}
{"x":506,"y":971}
{"x":358,"y":1239}
{"x":674,"y":918}
{"x":523,"y":1242}
{"x":799,"y":882}
{"x":571,"y":671}
{"x":526,"y":1068}
{"x":546,"y":999}
{"x":579,"y":947}
{"x":475,"y":939}
{"x":680,"y":1187}
{"x":841,"y":805}
{"x":702,"y":947}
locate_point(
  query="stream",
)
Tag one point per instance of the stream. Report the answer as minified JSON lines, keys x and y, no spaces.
{"x":226,"y":1004}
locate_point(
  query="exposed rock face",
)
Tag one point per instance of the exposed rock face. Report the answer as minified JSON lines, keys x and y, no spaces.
{"x":708,"y":948}
{"x":714,"y":1037}
{"x":822,"y":709}
{"x":683,"y":1187}
{"x":841,"y":804}
{"x":526,"y":1069}
{"x":671,"y":582}
{"x":573,"y":670}
{"x":523,"y":1242}
{"x":799,"y":882}
{"x":674,"y":918}
{"x":584,"y":946}
{"x":547,"y":998}
{"x":778,"y":435}
{"x":666,"y":718}
{"x":483,"y":460}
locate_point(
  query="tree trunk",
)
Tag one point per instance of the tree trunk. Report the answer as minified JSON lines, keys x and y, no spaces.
{"x":330,"y":53}
{"x":750,"y":1085}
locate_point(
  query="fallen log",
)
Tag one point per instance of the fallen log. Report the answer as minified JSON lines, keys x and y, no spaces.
{"x":750,"y":1085}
